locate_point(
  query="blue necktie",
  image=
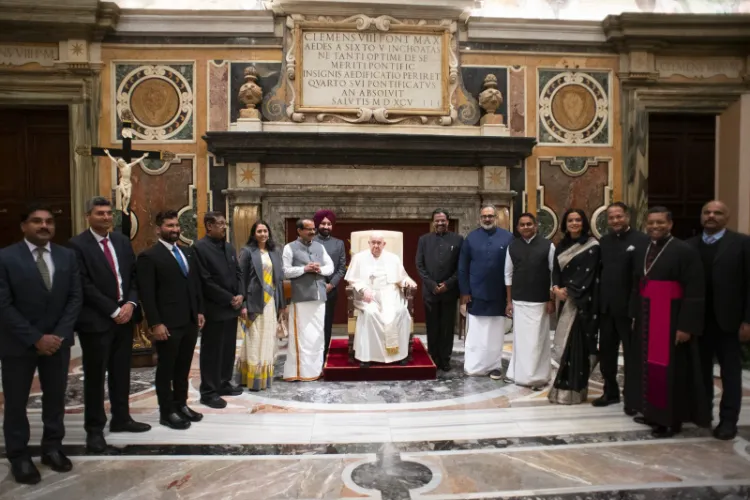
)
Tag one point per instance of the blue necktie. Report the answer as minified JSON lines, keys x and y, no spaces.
{"x":181,"y":262}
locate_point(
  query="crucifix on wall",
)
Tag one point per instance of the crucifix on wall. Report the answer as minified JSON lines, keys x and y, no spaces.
{"x":123,"y":159}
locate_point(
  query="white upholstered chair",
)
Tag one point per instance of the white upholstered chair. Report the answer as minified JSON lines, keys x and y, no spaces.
{"x":394,"y":243}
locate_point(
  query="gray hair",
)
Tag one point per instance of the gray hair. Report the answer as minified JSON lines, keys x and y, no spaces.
{"x":97,"y":201}
{"x":493,"y":207}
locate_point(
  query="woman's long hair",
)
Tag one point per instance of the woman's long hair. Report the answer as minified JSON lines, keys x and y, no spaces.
{"x":252,"y":241}
{"x":585,"y":228}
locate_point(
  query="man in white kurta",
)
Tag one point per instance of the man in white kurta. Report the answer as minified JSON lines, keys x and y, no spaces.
{"x":528,"y":268}
{"x":383,"y":321}
{"x":306,"y":264}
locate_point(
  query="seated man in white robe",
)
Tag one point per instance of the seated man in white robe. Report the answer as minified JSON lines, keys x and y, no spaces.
{"x":383,"y":323}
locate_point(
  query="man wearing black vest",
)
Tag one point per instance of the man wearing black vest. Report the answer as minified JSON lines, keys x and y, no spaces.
{"x":528,"y":270}
{"x":437,"y":263}
{"x":221,"y":281}
{"x":617,"y":248}
{"x":726,"y":262}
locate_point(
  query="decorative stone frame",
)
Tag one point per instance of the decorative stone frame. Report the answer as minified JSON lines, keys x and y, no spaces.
{"x":79,"y":90}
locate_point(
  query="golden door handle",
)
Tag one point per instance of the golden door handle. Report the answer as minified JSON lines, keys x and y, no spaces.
{"x":57,"y":212}
{"x":3,"y":210}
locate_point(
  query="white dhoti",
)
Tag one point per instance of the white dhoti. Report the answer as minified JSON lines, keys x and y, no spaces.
{"x":383,"y":326}
{"x":531,"y":362}
{"x":485,"y":336}
{"x":304,"y":358}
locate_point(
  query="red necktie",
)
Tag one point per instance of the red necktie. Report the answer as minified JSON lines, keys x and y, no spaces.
{"x":111,"y":261}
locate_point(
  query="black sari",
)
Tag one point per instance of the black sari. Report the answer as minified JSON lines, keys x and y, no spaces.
{"x":575,"y":268}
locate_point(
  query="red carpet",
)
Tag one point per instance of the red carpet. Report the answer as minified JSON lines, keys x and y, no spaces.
{"x":339,"y":368}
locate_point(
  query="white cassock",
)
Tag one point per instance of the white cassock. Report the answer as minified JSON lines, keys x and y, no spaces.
{"x":383,"y":325}
{"x":531,"y":361}
{"x":304,"y":357}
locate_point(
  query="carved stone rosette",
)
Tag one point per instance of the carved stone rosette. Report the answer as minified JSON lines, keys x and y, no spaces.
{"x":377,"y":30}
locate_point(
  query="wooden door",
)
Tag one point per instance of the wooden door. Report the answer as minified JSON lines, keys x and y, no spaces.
{"x":681,"y":166}
{"x":34,"y":146}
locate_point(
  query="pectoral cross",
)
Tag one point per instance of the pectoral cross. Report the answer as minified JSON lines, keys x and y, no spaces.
{"x":372,"y":279}
{"x":126,"y":153}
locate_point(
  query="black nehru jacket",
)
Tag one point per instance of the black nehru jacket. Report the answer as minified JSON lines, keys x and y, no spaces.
{"x":437,"y":262}
{"x":531,"y":273}
{"x":616,"y":277}
{"x":708,"y":255}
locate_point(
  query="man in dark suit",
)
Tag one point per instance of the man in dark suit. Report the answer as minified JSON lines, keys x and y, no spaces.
{"x":437,"y":263}
{"x":221,"y":280}
{"x":105,"y":326}
{"x":169,"y":286}
{"x":726,"y":263}
{"x":617,"y":248}
{"x":40,"y":298}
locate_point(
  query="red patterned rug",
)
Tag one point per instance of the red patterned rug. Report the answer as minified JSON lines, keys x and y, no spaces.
{"x":339,"y":368}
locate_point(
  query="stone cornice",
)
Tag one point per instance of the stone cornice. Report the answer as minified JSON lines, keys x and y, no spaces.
{"x":305,"y":148}
{"x":51,"y":21}
{"x":421,"y":9}
{"x":191,"y":23}
{"x":490,"y":29}
{"x":694,"y":33}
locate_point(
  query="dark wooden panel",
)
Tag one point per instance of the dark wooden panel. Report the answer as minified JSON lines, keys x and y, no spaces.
{"x":34,"y":146}
{"x":681,"y":160}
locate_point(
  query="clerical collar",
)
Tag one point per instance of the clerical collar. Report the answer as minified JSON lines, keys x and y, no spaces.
{"x":663,"y":241}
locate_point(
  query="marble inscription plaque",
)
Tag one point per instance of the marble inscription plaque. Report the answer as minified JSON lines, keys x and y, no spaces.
{"x":398,"y":71}
{"x":699,"y":68}
{"x":18,"y":55}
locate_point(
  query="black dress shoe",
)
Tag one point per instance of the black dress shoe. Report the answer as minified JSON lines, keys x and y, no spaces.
{"x":605,"y":401}
{"x":175,"y":421}
{"x":191,"y":415}
{"x":129,"y":426}
{"x":630,"y":412}
{"x":725,"y":431}
{"x":57,"y":461}
{"x":663,"y":432}
{"x":95,"y":442}
{"x":642,"y":420}
{"x":214,"y":402}
{"x":231,"y":390}
{"x":446,"y":367}
{"x":24,"y":471}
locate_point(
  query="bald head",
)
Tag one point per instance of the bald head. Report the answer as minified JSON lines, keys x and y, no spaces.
{"x":377,"y":243}
{"x":714,"y":216}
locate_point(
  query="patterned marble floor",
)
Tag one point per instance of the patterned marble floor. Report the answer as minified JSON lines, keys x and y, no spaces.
{"x":457,"y":437}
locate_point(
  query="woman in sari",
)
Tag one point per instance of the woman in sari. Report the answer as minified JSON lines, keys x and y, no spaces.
{"x":263,"y":276}
{"x":574,"y":280}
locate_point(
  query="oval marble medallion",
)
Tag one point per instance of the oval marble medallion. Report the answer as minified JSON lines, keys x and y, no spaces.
{"x":573,"y":107}
{"x":154,"y":102}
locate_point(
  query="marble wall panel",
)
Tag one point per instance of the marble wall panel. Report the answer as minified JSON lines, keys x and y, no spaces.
{"x":268,"y":77}
{"x":171,"y":187}
{"x":218,"y":181}
{"x":573,"y":182}
{"x":473,"y":78}
{"x":516,"y":118}
{"x":160,"y":96}
{"x":218,"y":95}
{"x":574,"y":107}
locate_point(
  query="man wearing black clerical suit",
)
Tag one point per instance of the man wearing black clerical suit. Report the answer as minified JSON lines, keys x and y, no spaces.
{"x":324,"y":221}
{"x":221,"y":280}
{"x":617,"y":248}
{"x":726,"y":263}
{"x":105,"y":326}
{"x":437,"y":264}
{"x":668,"y":307}
{"x":170,"y":288}
{"x":40,"y":298}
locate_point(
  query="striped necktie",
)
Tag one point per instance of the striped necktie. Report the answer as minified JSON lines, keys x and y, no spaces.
{"x":43,"y":268}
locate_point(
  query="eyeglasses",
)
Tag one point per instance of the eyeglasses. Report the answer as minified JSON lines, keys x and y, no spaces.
{"x":487,"y":216}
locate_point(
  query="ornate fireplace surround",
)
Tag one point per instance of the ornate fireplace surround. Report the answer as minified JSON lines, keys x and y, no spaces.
{"x":390,"y":155}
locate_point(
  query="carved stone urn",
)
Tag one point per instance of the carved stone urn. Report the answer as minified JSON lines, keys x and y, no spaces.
{"x":250,"y":94}
{"x":489,"y":100}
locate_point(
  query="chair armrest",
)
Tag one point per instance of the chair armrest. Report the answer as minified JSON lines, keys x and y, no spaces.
{"x":350,"y":292}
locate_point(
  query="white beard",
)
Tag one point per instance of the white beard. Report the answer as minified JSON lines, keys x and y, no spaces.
{"x":487,"y":226}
